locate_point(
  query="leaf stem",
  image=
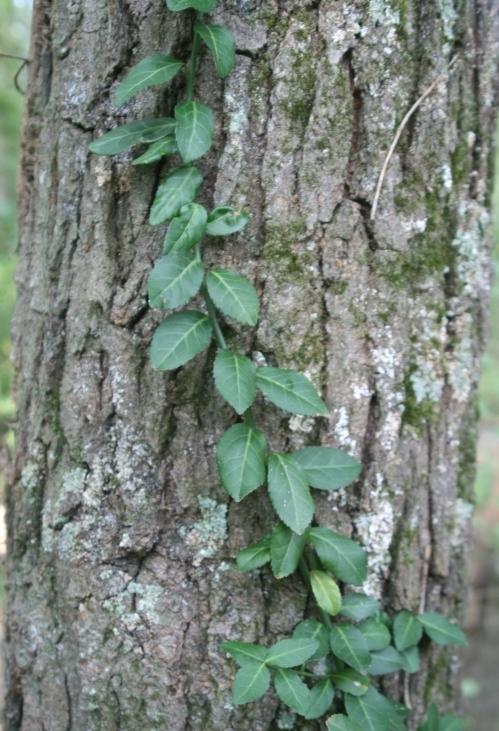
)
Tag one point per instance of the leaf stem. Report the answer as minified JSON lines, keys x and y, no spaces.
{"x":212,"y":314}
{"x":191,"y":68}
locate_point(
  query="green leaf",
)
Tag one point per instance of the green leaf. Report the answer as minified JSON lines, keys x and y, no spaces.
{"x":340,"y":555}
{"x":235,"y":378}
{"x":254,"y":556}
{"x":441,"y":630}
{"x":290,"y":391}
{"x":328,"y":468}
{"x":350,"y":681}
{"x":290,"y":653}
{"x":410,"y":659}
{"x":314,"y":630}
{"x":151,"y":71}
{"x":349,"y":644}
{"x":320,"y":699}
{"x":451,"y":723}
{"x":385,"y":661}
{"x":194,"y":130}
{"x":407,"y":630}
{"x":289,"y":492}
{"x":292,"y":690}
{"x":326,"y":592}
{"x":187,"y":229}
{"x":179,"y":188}
{"x":373,"y":712}
{"x":250,"y":683}
{"x":221,"y":44}
{"x":357,"y":606}
{"x":224,"y":221}
{"x":376,"y":633}
{"x":245,"y":653}
{"x":286,"y":549}
{"x":178,"y":339}
{"x":241,"y":460}
{"x":234,"y":295}
{"x":174,"y":279}
{"x":204,"y":6}
{"x":165,"y":146}
{"x":121,"y":138}
{"x":432,"y":722}
{"x":339,"y":722}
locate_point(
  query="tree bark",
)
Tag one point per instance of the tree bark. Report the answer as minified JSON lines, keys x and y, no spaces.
{"x":122,"y":583}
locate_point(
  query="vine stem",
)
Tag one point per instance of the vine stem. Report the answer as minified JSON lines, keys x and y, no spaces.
{"x":191,"y":66}
{"x":212,"y":314}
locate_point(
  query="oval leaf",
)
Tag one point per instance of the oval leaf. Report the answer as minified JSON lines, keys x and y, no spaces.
{"x":328,"y":468}
{"x":179,"y":188}
{"x":151,"y":71}
{"x":178,"y":339}
{"x":385,"y":661}
{"x":286,"y":549}
{"x":350,"y":681}
{"x":194,"y":130}
{"x":320,"y":699}
{"x":289,"y":492}
{"x":224,"y":221}
{"x":121,"y":138}
{"x":376,"y":633}
{"x":314,"y":630}
{"x":292,"y":690}
{"x":326,"y":592}
{"x":290,"y":391}
{"x":250,"y":683}
{"x":187,"y":229}
{"x":339,"y":722}
{"x":254,"y":556}
{"x":244,"y":652}
{"x":410,"y":659}
{"x":407,"y":630}
{"x":349,"y":644}
{"x":235,"y":378}
{"x":204,"y":6}
{"x":234,"y":295}
{"x":340,"y":555}
{"x":290,"y":653}
{"x":174,"y":280}
{"x":165,"y":146}
{"x":374,"y":712}
{"x":359,"y":606}
{"x":441,"y":631}
{"x":241,"y":460}
{"x":221,"y":44}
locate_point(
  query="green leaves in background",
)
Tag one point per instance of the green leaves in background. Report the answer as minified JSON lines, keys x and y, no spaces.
{"x":290,"y":653}
{"x":357,"y":606}
{"x":179,"y":188}
{"x":349,"y":644}
{"x":286,"y":549}
{"x":340,"y":555}
{"x":241,"y":460}
{"x":385,"y":661}
{"x":292,"y":690}
{"x":254,"y":556}
{"x":174,"y":280}
{"x":187,"y":229}
{"x":339,"y":722}
{"x":203,"y":6}
{"x":250,"y":683}
{"x":326,"y":592}
{"x":151,"y":71}
{"x":407,"y":630}
{"x":441,"y":631}
{"x":178,"y":339}
{"x":121,"y":138}
{"x":376,"y":633}
{"x":350,"y":681}
{"x":289,"y":492}
{"x":436,"y":722}
{"x":224,"y":221}
{"x":290,"y":391}
{"x":159,"y":149}
{"x":235,"y":378}
{"x":234,"y":295}
{"x":194,"y":130}
{"x":221,"y":44}
{"x":314,"y":630}
{"x":328,"y":468}
{"x":410,"y":659}
{"x":374,"y":711}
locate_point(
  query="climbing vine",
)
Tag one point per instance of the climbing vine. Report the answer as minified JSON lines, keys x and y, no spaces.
{"x":325,"y":669}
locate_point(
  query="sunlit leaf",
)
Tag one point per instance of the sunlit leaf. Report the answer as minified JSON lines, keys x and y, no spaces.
{"x":326,"y":592}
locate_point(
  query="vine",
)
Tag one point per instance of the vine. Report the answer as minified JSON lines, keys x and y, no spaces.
{"x":326,"y":666}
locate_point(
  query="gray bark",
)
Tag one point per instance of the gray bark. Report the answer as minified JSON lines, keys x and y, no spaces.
{"x":121,"y":541}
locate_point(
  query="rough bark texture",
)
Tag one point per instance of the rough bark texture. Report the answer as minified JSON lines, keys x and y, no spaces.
{"x":122,"y":581}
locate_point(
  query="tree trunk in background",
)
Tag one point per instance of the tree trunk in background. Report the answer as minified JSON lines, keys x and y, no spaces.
{"x":122,"y":581}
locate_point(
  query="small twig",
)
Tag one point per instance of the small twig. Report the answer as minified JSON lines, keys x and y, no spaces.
{"x":14,"y":57}
{"x":24,"y":62}
{"x":399,"y":134}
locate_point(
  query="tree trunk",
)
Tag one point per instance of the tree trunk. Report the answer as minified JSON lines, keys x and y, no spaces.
{"x":122,"y":583}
